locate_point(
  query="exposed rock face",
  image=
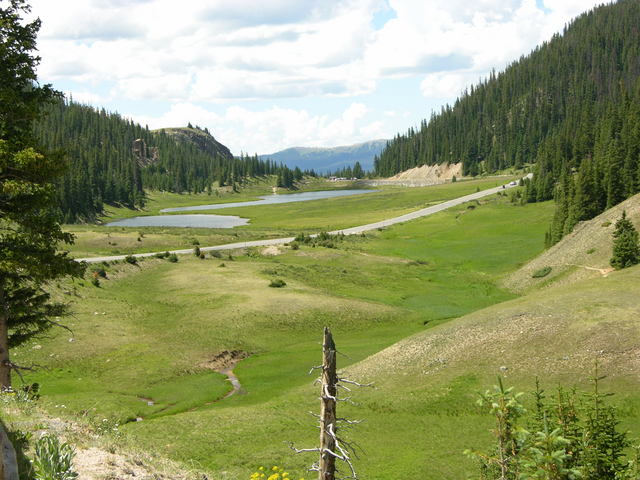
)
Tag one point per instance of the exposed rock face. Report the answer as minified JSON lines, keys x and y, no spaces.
{"x":423,"y":176}
{"x":144,"y":155}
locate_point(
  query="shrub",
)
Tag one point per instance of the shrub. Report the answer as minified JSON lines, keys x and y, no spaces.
{"x":131,"y":260}
{"x":202,"y":256}
{"x":277,"y":283}
{"x":222,"y":265}
{"x":590,"y":251}
{"x":95,"y":282}
{"x":215,"y":254}
{"x":570,"y":435}
{"x":294,"y":245}
{"x":53,"y":460}
{"x":99,"y":272}
{"x":173,"y":258}
{"x":543,"y":272}
{"x":417,"y":262}
{"x":195,"y":241}
{"x":196,"y":251}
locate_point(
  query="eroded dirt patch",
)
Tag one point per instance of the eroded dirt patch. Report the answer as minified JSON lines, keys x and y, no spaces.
{"x":272,"y":250}
{"x":225,"y":360}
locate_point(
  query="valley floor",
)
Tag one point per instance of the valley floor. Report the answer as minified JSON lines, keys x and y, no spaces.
{"x":418,"y":308}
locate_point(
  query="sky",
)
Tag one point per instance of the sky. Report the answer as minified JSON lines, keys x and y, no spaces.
{"x":267,"y":75}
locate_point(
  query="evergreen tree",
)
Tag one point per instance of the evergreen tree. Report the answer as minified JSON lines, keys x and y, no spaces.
{"x":29,"y":230}
{"x":357,"y":170}
{"x":572,"y":105}
{"x":626,"y":247}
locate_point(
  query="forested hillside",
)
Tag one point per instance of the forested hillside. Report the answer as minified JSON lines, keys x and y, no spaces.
{"x":572,"y":106}
{"x":113,"y":160}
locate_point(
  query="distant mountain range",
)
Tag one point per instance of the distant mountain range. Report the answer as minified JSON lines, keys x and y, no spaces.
{"x":329,"y":159}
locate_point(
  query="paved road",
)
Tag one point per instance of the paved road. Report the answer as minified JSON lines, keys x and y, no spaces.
{"x":347,"y":231}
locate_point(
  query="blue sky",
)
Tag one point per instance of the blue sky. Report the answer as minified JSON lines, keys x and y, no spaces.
{"x":264,"y":76}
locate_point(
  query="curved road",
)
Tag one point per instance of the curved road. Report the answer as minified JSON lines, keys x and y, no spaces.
{"x":347,"y":231}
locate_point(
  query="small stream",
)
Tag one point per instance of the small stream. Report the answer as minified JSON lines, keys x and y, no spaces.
{"x":235,"y":382}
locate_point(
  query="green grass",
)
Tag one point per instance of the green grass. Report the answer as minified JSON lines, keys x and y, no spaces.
{"x":162,"y":321}
{"x":268,"y":221}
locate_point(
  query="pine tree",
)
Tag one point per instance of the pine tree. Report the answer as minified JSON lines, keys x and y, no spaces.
{"x":626,"y":246}
{"x":29,"y":230}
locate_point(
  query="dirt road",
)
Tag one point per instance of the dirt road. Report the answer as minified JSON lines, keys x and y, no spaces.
{"x":347,"y":231}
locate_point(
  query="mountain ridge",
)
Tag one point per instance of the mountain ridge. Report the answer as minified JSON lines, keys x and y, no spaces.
{"x":324,"y":159}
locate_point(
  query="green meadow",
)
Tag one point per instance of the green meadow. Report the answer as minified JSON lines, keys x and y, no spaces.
{"x":142,"y":338}
{"x":267,"y":221}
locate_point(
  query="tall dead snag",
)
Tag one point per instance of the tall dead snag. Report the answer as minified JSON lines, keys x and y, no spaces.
{"x":328,"y":400}
{"x":332,"y":447}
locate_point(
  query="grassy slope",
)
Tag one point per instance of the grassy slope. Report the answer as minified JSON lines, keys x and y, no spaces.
{"x":269,"y":221}
{"x":556,"y":333}
{"x":429,"y":380}
{"x":162,"y":321}
{"x":584,"y":253}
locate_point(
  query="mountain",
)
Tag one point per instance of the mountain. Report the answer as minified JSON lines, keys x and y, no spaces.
{"x":329,"y":159}
{"x":113,"y":160}
{"x":200,"y":138}
{"x":572,"y":107}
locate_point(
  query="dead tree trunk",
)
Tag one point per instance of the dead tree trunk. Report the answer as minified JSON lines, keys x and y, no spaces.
{"x":328,"y":401}
{"x":331,"y":447}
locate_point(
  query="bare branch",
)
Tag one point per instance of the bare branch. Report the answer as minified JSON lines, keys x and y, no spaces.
{"x":351,"y":382}
{"x":349,"y":422}
{"x":302,"y":450}
{"x":17,"y":368}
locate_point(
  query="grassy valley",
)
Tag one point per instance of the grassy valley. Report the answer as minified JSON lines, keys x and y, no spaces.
{"x":268,"y":221}
{"x":146,"y":334}
{"x":199,"y":365}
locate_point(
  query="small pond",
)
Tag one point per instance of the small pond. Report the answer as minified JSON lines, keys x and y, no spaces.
{"x":273,"y":199}
{"x":190,"y":221}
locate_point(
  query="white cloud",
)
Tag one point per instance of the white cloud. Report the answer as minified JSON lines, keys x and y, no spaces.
{"x":446,"y":85}
{"x":228,"y":52}
{"x":273,"y":129}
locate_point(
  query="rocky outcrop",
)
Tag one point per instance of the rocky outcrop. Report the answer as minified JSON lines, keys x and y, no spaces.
{"x":144,"y":155}
{"x":202,"y":139}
